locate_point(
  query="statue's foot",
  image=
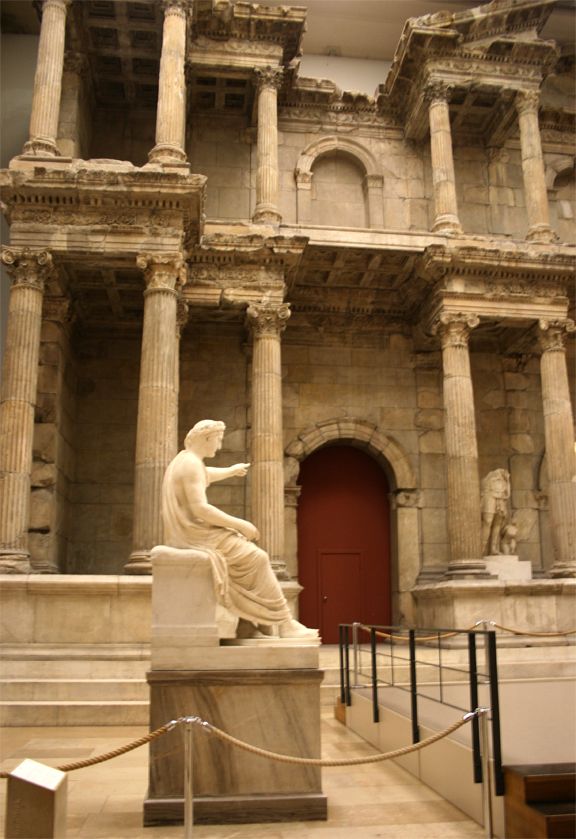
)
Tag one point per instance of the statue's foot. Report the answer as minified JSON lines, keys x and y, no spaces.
{"x":294,"y":629}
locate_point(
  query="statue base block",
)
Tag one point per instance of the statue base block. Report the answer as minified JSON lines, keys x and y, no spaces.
{"x":508,"y":567}
{"x":273,"y":709}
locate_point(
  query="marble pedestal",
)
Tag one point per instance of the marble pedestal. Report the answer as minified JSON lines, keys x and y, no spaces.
{"x":265,"y":692}
{"x":508,"y":567}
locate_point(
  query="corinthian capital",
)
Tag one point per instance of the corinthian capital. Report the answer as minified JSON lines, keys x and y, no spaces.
{"x":181,"y":7}
{"x":268,"y":318}
{"x":28,"y":267}
{"x":61,"y":5}
{"x":437,"y":91}
{"x":527,"y":101}
{"x":162,"y":271}
{"x":268,"y":77}
{"x":454,"y":328}
{"x":552,"y":334}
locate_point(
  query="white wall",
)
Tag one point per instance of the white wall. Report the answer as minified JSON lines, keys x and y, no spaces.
{"x":348,"y":73}
{"x":17,"y":67}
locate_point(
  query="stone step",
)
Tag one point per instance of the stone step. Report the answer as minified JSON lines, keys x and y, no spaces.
{"x":94,"y":712}
{"x":64,"y":690}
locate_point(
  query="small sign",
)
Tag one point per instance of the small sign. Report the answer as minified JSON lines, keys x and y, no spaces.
{"x":36,"y":802}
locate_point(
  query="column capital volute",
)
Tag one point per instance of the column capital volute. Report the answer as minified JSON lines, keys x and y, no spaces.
{"x":527,"y":101}
{"x":437,"y":90}
{"x":454,"y":328}
{"x":62,"y":5}
{"x":268,"y":77}
{"x":162,"y":271}
{"x":27,"y":267}
{"x":552,"y":334}
{"x":267,"y":318}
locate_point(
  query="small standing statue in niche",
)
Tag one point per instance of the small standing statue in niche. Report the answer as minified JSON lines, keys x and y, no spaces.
{"x":495,"y":492}
{"x":244,"y":581}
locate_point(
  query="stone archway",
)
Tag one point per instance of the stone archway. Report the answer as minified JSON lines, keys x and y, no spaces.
{"x":404,"y":497}
{"x":373,"y":179}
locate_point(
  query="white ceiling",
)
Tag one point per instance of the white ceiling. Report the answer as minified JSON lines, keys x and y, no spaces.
{"x":372,"y":28}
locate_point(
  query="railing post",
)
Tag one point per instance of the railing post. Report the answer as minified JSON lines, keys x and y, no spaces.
{"x":495,"y":705}
{"x":188,"y":779}
{"x":355,"y":626}
{"x":487,"y":783}
{"x":473,"y":666}
{"x":375,"y":709}
{"x":347,"y":665}
{"x":341,"y":656}
{"x":413,"y":689}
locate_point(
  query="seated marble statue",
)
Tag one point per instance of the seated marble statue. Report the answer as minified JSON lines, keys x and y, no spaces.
{"x":244,"y":580}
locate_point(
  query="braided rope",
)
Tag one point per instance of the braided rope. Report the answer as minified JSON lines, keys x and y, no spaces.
{"x":241,"y":744}
{"x":438,"y":636}
{"x":534,"y":634}
{"x":393,"y":637}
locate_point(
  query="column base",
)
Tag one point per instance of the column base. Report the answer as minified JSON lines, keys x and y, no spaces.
{"x":467,"y":569}
{"x":542,"y":233}
{"x":562,"y":569}
{"x":41,"y":147}
{"x":139,"y":563}
{"x":14,"y":563}
{"x":448,"y":224}
{"x":266,"y":214}
{"x":167,"y":153}
{"x":431,"y":574}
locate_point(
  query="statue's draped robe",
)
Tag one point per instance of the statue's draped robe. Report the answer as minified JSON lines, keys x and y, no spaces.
{"x":243,"y":578}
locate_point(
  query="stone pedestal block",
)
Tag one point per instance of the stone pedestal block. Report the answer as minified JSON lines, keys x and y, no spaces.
{"x":274,"y":709}
{"x":508,"y":567}
{"x":36,"y":802}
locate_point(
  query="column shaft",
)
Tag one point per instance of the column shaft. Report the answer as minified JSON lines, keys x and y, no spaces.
{"x":533,"y":169}
{"x":156,"y":431}
{"x":171,"y":110}
{"x":17,"y":403}
{"x":443,"y":177}
{"x":267,"y":165}
{"x":267,"y":437}
{"x":559,"y":437}
{"x":463,"y":485}
{"x":48,"y":80}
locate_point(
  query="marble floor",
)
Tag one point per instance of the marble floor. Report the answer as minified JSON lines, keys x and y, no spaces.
{"x":374,"y":801}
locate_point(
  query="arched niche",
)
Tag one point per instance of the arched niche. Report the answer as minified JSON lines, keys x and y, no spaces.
{"x":372,"y":180}
{"x":561,"y":183}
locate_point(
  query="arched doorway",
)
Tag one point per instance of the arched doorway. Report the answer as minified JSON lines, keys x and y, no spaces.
{"x":343,"y":540}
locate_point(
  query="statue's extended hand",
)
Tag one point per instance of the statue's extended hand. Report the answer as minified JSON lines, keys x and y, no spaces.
{"x":240,"y":469}
{"x":247,"y":529}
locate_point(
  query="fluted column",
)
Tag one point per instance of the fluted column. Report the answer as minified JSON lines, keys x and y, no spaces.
{"x":171,"y":110}
{"x":156,"y":430}
{"x":463,"y":484}
{"x":443,"y":178}
{"x":267,"y":323}
{"x":268,"y":80}
{"x":48,"y":80}
{"x":559,"y":437}
{"x":29,"y":270}
{"x":535,"y":190}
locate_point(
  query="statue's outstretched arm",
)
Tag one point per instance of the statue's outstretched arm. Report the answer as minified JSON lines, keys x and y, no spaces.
{"x":219,"y":473}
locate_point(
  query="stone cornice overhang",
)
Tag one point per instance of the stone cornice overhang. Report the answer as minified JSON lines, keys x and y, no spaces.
{"x":233,"y":269}
{"x":514,"y":283}
{"x":221,"y":20}
{"x":84,"y":207}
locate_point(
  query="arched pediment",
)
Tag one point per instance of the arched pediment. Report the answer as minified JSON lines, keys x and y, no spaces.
{"x":358,"y":432}
{"x":330,"y":144}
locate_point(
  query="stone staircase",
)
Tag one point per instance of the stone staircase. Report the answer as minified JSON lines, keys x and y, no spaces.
{"x":93,"y":684}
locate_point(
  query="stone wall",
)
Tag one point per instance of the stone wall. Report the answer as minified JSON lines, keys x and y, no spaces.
{"x":123,"y":134}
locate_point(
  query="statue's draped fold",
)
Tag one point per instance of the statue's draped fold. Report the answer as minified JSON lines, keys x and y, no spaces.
{"x":243,"y":578}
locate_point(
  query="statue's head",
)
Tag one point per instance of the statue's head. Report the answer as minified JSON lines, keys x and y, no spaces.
{"x":204,"y":429}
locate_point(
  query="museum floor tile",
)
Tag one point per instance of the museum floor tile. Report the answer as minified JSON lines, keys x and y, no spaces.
{"x":105,"y":800}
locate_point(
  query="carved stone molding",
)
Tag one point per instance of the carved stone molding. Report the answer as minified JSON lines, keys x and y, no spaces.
{"x":552,"y":335}
{"x":165,"y":271}
{"x":527,"y":101}
{"x":267,"y":319}
{"x":454,"y":328}
{"x":406,"y":498}
{"x":182,"y":313}
{"x":27,"y":267}
{"x":269,"y":77}
{"x":437,"y":91}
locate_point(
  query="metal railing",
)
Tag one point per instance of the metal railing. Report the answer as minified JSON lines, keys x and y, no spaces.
{"x":415,"y":662}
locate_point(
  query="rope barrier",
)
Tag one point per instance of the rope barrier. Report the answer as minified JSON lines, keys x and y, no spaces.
{"x":241,"y":744}
{"x":440,"y":636}
{"x":534,"y":634}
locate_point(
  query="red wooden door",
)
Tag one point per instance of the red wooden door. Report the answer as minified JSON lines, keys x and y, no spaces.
{"x":343,"y":540}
